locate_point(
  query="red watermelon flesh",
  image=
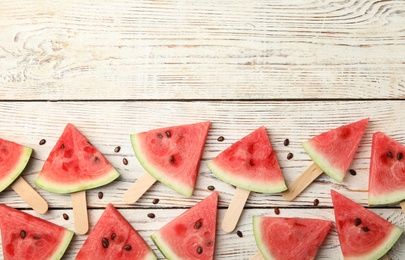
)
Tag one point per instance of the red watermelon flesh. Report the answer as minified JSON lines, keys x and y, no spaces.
{"x":13,"y":159}
{"x":251,"y":164}
{"x":74,"y":164}
{"x":27,"y":237}
{"x":172,"y":155}
{"x":192,"y":234}
{"x":362,"y":233}
{"x":333,"y":151}
{"x":289,"y":238}
{"x":387,"y":171}
{"x":113,"y":237}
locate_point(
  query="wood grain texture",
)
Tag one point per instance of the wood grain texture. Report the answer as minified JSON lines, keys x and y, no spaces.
{"x":58,"y":50}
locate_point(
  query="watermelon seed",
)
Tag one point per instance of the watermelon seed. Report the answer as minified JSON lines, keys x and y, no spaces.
{"x":62,"y":146}
{"x":211,"y":188}
{"x":316,"y":202}
{"x":399,"y":156}
{"x":220,"y":139}
{"x":290,"y":156}
{"x":113,"y":236}
{"x":239,"y":233}
{"x":42,"y":142}
{"x":23,"y":234}
{"x":199,"y":250}
{"x":286,"y":142}
{"x":357,"y":222}
{"x":276,"y":211}
{"x":198,"y":224}
{"x":160,"y":135}
{"x":65,"y":216}
{"x":365,"y":229}
{"x":155,"y":201}
{"x":250,"y":163}
{"x":352,"y":172}
{"x":127,"y":247}
{"x":171,"y":159}
{"x":125,"y":161}
{"x":105,"y":242}
{"x":100,"y":195}
{"x":151,"y":215}
{"x":96,"y":159}
{"x":168,"y":134}
{"x":36,"y":237}
{"x":390,"y":154}
{"x":117,"y":149}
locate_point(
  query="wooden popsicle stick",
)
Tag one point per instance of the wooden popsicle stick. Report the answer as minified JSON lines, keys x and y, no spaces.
{"x":80,"y":215}
{"x":139,"y":187}
{"x":257,"y":256}
{"x":235,"y":209}
{"x":31,"y":196}
{"x":402,"y":206}
{"x":306,"y":178}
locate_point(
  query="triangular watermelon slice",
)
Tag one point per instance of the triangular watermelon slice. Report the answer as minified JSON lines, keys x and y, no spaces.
{"x":74,"y":164}
{"x":172,"y":154}
{"x":192,"y":234}
{"x":114,"y":238}
{"x":13,"y":159}
{"x":251,"y":164}
{"x":387,"y":171}
{"x":27,"y":237}
{"x":289,"y":238}
{"x":333,"y":151}
{"x":362,"y":233}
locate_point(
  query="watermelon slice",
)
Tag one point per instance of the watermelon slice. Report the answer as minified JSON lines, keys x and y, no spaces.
{"x":387,"y":171}
{"x":192,"y":234}
{"x":333,"y":151}
{"x":74,"y":164}
{"x":27,"y":237}
{"x":362,"y":233}
{"x":13,"y":159}
{"x":251,"y":164}
{"x":172,"y":155}
{"x":289,"y":238}
{"x":114,"y":238}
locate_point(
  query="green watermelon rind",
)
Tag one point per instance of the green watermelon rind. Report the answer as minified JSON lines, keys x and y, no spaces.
{"x":391,"y":198}
{"x":257,"y":232}
{"x":323,"y":162}
{"x":59,"y":188}
{"x":159,"y":175}
{"x":60,"y":251}
{"x":164,"y":247}
{"x":19,"y":167}
{"x":245,"y":183}
{"x":381,"y":250}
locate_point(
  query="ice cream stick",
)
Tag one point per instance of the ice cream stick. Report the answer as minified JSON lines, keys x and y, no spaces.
{"x":80,"y":212}
{"x":30,"y":195}
{"x":235,"y":209}
{"x":306,"y":178}
{"x":402,"y":206}
{"x":139,"y":187}
{"x":257,"y":256}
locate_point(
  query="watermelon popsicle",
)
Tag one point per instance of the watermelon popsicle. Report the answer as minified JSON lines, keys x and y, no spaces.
{"x":250,"y":164}
{"x":14,"y":158}
{"x":73,"y":166}
{"x":332,"y":152}
{"x":170,"y":155}
{"x":387,"y":166}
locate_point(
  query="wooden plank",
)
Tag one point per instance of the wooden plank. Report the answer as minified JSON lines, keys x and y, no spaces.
{"x":201,"y":50}
{"x":108,"y":124}
{"x":228,"y":245}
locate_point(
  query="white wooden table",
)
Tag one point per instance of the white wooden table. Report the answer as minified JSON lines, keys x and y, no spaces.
{"x":113,"y":68}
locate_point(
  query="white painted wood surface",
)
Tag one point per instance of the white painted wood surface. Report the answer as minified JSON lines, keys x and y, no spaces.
{"x":115,"y":68}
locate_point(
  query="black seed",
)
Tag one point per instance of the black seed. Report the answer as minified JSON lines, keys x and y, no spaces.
{"x":155,"y":201}
{"x":276,"y":211}
{"x":171,"y":159}
{"x":352,"y":172}
{"x":160,"y":135}
{"x":96,"y":159}
{"x":105,"y":242}
{"x":211,"y":188}
{"x":390,"y":154}
{"x":220,"y":139}
{"x":286,"y":142}
{"x":365,"y":229}
{"x":316,"y":202}
{"x":36,"y":237}
{"x":113,"y":236}
{"x":23,"y":234}
{"x":65,"y":216}
{"x":250,"y":163}
{"x":239,"y":233}
{"x":199,"y":250}
{"x":290,"y":156}
{"x":400,"y":156}
{"x":151,"y":215}
{"x":198,"y":224}
{"x":357,"y":222}
{"x":168,"y":134}
{"x":100,"y":195}
{"x":62,"y":146}
{"x":42,"y":142}
{"x":117,"y":149}
{"x":125,"y":161}
{"x":127,"y":247}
